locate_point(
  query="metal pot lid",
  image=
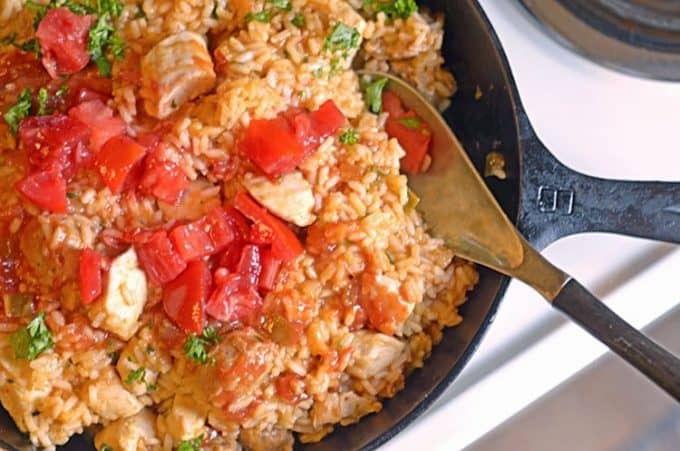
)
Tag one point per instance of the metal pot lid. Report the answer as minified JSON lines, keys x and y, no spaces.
{"x":639,"y":37}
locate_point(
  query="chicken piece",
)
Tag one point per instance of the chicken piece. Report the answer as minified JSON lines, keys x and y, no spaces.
{"x":108,"y":398}
{"x":176,"y":70}
{"x":278,"y":439}
{"x":384,"y":306}
{"x":373,"y":353}
{"x":128,"y":434}
{"x":184,"y":420}
{"x":345,"y":407}
{"x":123,"y":301}
{"x":290,"y":197}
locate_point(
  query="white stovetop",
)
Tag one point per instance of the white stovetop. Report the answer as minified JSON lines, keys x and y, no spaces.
{"x":603,"y":123}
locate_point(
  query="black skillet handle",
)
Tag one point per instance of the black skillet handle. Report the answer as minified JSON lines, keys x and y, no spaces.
{"x":659,"y":365}
{"x":558,"y":201}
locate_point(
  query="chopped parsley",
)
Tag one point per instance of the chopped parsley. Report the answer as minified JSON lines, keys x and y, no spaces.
{"x":99,"y":42}
{"x":18,"y":111}
{"x":410,"y":122}
{"x":281,"y":4}
{"x":335,"y":68}
{"x":264,"y":16}
{"x":43,"y":98}
{"x":30,"y":46}
{"x":342,"y":37}
{"x":298,"y":20}
{"x":392,"y":8}
{"x":136,"y":375}
{"x":30,"y":341}
{"x":62,"y":91}
{"x":191,"y":445}
{"x":373,"y":92}
{"x":195,"y":347}
{"x":350,"y":136}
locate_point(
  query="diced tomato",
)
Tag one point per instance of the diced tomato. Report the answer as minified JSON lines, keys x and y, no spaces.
{"x":90,"y":275}
{"x":55,"y":142}
{"x":238,"y":223}
{"x":219,"y":229}
{"x":412,"y":132}
{"x":261,"y":235}
{"x":285,"y":245}
{"x":159,"y":259}
{"x":391,"y":104}
{"x":46,"y":189}
{"x":63,"y":37}
{"x":86,"y":85}
{"x":101,"y":121}
{"x":414,"y":135}
{"x":270,"y":270}
{"x":326,"y":120}
{"x":235,"y":299}
{"x":185,"y":297}
{"x":19,"y":70}
{"x":116,"y":159}
{"x":272,"y":145}
{"x":250,"y":264}
{"x":164,"y":180}
{"x":231,"y":255}
{"x":192,"y":240}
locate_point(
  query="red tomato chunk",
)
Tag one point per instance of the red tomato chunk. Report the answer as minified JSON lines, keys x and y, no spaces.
{"x":46,"y":189}
{"x":101,"y":121}
{"x":185,"y":297}
{"x":90,"y":276}
{"x":164,"y":180}
{"x":63,"y":38}
{"x":159,"y":259}
{"x":234,"y":299}
{"x":412,"y":132}
{"x":270,"y":270}
{"x":116,"y":160}
{"x":55,"y":142}
{"x":249,"y":265}
{"x":285,"y":245}
{"x":277,"y":146}
{"x":192,"y":241}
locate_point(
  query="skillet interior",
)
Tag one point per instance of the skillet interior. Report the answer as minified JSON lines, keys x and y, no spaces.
{"x":471,"y":51}
{"x":488,"y":123}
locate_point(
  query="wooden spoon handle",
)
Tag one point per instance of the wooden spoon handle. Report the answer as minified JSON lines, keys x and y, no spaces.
{"x":655,"y":362}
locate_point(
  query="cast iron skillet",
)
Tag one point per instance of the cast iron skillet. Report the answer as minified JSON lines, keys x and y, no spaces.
{"x":546,"y":199}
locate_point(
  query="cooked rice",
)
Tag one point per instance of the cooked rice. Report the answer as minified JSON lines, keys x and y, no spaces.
{"x":340,"y":373}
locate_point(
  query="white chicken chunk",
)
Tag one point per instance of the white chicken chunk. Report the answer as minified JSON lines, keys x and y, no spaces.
{"x":176,"y":70}
{"x":108,"y":398}
{"x":128,"y":434}
{"x":184,"y":421}
{"x":373,"y":353}
{"x":124,"y":298}
{"x":290,"y":197}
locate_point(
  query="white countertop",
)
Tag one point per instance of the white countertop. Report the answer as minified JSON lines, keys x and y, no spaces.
{"x":603,"y":123}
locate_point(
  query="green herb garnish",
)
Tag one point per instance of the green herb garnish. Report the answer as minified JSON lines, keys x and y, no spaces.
{"x":18,"y":111}
{"x":298,"y":20}
{"x":195,"y":347}
{"x":350,"y":136}
{"x":373,"y":93}
{"x":342,"y":37}
{"x":43,"y":98}
{"x":62,"y":91}
{"x":30,"y":341}
{"x":31,"y":46}
{"x":410,"y":122}
{"x":136,"y":375}
{"x":264,"y":16}
{"x":281,"y":4}
{"x":393,"y":8}
{"x":191,"y":445}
